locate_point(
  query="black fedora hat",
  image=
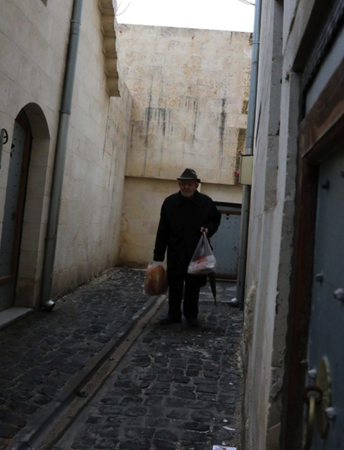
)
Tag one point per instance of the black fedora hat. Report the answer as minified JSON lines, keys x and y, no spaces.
{"x":189,"y":174}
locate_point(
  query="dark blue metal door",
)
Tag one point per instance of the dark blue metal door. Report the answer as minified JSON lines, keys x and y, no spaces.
{"x":326,"y":337}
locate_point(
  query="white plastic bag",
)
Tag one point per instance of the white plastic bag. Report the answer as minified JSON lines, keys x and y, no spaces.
{"x":203,"y":260}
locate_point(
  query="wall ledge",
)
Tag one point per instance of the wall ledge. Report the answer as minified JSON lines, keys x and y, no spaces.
{"x":107,"y":9}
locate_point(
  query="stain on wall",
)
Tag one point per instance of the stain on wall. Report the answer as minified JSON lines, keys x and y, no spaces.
{"x":189,"y":87}
{"x":240,"y":146}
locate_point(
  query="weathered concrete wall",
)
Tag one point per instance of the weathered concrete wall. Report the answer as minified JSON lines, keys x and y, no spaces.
{"x":142,"y":201}
{"x":33,"y":46}
{"x":190,"y":92}
{"x":272,"y":221}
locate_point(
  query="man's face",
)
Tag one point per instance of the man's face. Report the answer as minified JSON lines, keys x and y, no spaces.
{"x":188,"y":187}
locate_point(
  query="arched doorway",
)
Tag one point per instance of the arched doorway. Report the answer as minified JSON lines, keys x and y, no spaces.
{"x":25,"y":210}
{"x":14,"y":209}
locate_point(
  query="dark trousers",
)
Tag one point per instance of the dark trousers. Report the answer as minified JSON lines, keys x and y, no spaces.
{"x":189,"y":285}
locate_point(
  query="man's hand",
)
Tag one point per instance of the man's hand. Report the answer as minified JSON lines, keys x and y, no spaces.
{"x":204,"y":230}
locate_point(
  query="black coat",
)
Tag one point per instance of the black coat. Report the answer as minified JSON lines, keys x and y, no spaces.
{"x":181,"y":219}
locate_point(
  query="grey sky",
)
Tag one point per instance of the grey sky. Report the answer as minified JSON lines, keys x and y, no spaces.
{"x":215,"y":14}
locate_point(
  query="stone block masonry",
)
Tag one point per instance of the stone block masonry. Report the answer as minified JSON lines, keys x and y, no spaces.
{"x":177,"y":388}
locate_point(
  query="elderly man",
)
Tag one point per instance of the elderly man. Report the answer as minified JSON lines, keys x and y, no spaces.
{"x":184,"y":216}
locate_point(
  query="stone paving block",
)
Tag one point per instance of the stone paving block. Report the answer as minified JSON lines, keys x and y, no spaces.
{"x":22,"y":408}
{"x":177,"y":414}
{"x":193,"y":437}
{"x":108,"y":432}
{"x":159,"y":444}
{"x":7,"y":431}
{"x":44,"y":351}
{"x":15,"y":420}
{"x":112,"y":420}
{"x":207,"y":388}
{"x":182,"y":379}
{"x":206,"y":397}
{"x":202,"y":416}
{"x":47,"y":390}
{"x":157,"y":422}
{"x":136,"y":412}
{"x":184,"y":394}
{"x":106,"y":444}
{"x":180,"y":411}
{"x":172,"y":390}
{"x":153,"y":400}
{"x":107,"y":410}
{"x":84,"y":442}
{"x":139,"y":432}
{"x":175,"y":402}
{"x":135,"y":444}
{"x":196,"y":426}
{"x":199,"y":405}
{"x":130,"y":401}
{"x":166,"y":435}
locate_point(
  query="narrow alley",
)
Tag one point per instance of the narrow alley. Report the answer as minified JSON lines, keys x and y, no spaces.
{"x":71,"y":383}
{"x":122,"y":139}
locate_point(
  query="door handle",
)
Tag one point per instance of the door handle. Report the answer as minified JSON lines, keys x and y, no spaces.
{"x":318,"y":398}
{"x":312,"y":395}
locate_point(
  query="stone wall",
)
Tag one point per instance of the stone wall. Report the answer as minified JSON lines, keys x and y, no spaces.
{"x":33,"y":47}
{"x":190,"y":92}
{"x":271,"y":229}
{"x":33,"y":43}
{"x":94,"y":176}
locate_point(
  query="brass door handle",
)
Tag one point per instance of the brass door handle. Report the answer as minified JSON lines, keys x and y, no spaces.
{"x":313,"y":395}
{"x":318,"y":398}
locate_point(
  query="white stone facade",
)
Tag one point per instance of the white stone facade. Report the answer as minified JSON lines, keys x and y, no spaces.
{"x":33,"y":46}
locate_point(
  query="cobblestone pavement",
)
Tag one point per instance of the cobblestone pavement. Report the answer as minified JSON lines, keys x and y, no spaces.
{"x":178,"y":388}
{"x":46,"y":352}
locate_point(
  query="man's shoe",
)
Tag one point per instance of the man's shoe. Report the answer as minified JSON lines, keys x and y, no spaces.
{"x":169,"y":320}
{"x":193,"y":323}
